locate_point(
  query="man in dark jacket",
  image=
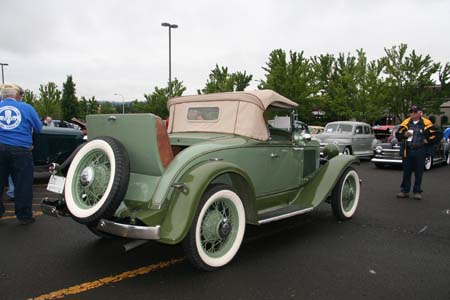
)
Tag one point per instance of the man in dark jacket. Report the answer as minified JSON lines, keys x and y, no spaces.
{"x":417,"y":136}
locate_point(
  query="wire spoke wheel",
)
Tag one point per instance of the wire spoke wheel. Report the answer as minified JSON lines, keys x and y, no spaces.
{"x":97,"y":180}
{"x":345,"y":196}
{"x":217,"y":230}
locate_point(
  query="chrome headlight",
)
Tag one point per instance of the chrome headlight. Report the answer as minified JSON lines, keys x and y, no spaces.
{"x":378,"y":149}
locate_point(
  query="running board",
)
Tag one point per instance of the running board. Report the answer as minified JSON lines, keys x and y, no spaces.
{"x":282,"y":213}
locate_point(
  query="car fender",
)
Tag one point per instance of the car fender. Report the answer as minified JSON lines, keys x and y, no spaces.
{"x":319,"y":188}
{"x":184,"y":201}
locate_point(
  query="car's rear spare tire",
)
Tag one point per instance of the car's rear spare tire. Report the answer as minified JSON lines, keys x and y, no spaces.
{"x":97,"y":180}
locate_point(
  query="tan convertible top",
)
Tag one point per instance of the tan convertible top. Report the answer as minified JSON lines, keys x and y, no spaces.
{"x":238,"y":113}
{"x":261,"y":98}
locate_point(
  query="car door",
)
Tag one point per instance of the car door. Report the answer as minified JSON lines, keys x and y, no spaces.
{"x":368,"y":139}
{"x":284,"y":166}
{"x":358,"y":139}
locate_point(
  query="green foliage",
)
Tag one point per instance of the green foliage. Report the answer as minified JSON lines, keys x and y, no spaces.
{"x":107,"y":108}
{"x":29,"y":97}
{"x":409,"y":80}
{"x":156,"y":103}
{"x":222,"y":81}
{"x":49,"y":103}
{"x":350,"y":87}
{"x":87,"y":107}
{"x":69,"y":102}
{"x":294,"y":79}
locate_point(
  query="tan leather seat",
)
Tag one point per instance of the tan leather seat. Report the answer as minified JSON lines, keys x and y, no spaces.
{"x":164,"y":147}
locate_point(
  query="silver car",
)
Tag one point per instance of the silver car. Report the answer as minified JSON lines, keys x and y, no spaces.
{"x":352,"y":138}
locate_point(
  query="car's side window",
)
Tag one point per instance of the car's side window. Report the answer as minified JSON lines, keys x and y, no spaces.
{"x":203,"y":113}
{"x":359,"y":130}
{"x":367,"y":130}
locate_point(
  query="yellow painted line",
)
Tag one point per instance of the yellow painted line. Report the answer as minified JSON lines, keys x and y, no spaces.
{"x":76,"y":289}
{"x":35,"y":214}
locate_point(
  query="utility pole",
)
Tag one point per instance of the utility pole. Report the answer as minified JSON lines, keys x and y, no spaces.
{"x":3,"y":76}
{"x":170,"y":53}
{"x":123,"y":102}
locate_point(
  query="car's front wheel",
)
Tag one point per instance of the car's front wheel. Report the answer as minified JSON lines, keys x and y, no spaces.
{"x":345,"y":195}
{"x":97,"y":180}
{"x":347,"y":151}
{"x":448,"y":159}
{"x":217,"y":230}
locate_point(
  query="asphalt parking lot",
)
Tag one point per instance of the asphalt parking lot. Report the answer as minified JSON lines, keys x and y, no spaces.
{"x":391,"y":249}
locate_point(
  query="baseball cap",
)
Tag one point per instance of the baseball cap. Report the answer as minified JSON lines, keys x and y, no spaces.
{"x":415,"y":109}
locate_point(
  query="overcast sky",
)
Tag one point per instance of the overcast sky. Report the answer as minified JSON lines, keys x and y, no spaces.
{"x":120,"y":47}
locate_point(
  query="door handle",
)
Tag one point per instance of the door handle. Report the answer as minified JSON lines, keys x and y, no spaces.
{"x":274,"y":155}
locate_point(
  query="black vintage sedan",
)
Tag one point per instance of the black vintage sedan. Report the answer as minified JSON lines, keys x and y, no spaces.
{"x":388,"y":153}
{"x":54,"y":145}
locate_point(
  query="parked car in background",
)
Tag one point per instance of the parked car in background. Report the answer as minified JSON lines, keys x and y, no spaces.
{"x":54,"y":145}
{"x":315,"y":130}
{"x":355,"y":138}
{"x":217,"y":168}
{"x":383,"y":133}
{"x":388,"y":153}
{"x":65,"y":124}
{"x":284,"y":122}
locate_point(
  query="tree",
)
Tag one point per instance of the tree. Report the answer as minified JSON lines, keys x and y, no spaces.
{"x":222,"y":81}
{"x":87,"y":107}
{"x":49,"y":103}
{"x":69,"y":102}
{"x":409,"y":80}
{"x":293,"y":78}
{"x":156,"y":102}
{"x":29,"y":97}
{"x":107,"y":108}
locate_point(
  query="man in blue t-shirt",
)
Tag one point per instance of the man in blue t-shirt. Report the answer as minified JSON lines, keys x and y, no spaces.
{"x":18,"y":120}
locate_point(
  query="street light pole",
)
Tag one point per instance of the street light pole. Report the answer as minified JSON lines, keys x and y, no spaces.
{"x":123,"y":102}
{"x":3,"y":77}
{"x":165,"y":24}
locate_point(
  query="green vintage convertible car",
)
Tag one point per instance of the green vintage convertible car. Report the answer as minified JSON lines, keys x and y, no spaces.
{"x":217,"y":168}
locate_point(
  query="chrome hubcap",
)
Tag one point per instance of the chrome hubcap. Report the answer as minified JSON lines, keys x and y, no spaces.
{"x":87,"y":176}
{"x":224,"y":228}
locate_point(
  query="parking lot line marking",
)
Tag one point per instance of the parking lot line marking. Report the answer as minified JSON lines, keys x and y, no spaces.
{"x":76,"y":289}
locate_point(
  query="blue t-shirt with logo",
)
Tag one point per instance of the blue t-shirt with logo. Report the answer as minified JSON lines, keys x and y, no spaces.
{"x":17,"y":119}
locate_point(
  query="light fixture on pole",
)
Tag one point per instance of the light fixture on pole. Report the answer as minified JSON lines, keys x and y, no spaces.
{"x":123,"y":101}
{"x":165,"y":24}
{"x":3,"y":77}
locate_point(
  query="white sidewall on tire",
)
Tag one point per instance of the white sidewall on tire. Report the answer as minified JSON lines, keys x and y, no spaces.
{"x":428,"y":163}
{"x":349,"y":214}
{"x":448,"y":159}
{"x":346,"y":151}
{"x":68,"y":193}
{"x":221,"y":261}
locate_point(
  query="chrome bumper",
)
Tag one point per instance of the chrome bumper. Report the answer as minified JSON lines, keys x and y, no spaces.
{"x":129,"y":231}
{"x":387,"y":161}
